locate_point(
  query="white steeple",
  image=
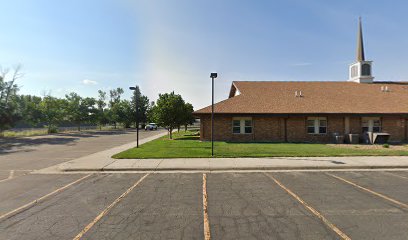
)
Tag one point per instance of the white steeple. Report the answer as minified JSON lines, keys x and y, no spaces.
{"x":360,"y":71}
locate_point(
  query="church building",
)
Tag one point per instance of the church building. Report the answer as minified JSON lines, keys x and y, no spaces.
{"x":350,"y":111}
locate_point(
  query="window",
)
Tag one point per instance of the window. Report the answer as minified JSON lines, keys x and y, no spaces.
{"x":377,"y":125}
{"x":236,"y":127}
{"x":316,"y":125}
{"x":371,"y":124}
{"x":366,"y":69}
{"x":310,"y":126}
{"x":242,"y":126}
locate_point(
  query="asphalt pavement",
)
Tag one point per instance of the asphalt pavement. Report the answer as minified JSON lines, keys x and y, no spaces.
{"x":33,"y":153}
{"x":262,"y":205}
{"x":232,"y":204}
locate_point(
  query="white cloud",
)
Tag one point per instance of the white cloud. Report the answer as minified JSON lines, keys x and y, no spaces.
{"x":301,"y":64}
{"x":89,"y":82}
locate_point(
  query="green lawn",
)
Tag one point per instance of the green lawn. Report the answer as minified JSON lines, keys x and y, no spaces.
{"x":187,"y":145}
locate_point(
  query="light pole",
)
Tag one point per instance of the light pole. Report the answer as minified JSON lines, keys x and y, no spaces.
{"x":212,"y":76}
{"x":137,"y":115}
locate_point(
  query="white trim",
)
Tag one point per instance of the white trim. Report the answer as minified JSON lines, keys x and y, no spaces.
{"x":316,"y":125}
{"x":370,"y":122}
{"x":242,"y":125}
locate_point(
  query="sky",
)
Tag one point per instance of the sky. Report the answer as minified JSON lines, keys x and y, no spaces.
{"x":174,"y":45}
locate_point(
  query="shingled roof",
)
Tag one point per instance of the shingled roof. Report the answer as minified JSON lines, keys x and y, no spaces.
{"x":317,"y":98}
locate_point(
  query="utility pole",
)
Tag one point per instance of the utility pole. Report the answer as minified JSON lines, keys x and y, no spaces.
{"x":137,"y":113}
{"x":212,"y":76}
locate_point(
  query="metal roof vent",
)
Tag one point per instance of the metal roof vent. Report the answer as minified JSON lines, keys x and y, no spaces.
{"x":385,"y":89}
{"x":298,"y":94}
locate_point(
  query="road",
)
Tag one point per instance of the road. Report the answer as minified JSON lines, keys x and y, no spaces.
{"x":192,"y":205}
{"x":33,"y":153}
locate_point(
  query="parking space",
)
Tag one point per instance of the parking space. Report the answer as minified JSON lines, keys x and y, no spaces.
{"x":359,"y":214}
{"x":251,"y":206}
{"x":64,"y":215}
{"x":401,"y":174}
{"x":263,"y":205}
{"x":164,"y":206}
{"x":388,"y":184}
{"x":25,"y":189}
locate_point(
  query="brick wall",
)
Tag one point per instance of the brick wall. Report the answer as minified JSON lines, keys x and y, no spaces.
{"x":355,"y":125}
{"x":272,"y":129}
{"x":394,"y":126}
{"x":269,"y":129}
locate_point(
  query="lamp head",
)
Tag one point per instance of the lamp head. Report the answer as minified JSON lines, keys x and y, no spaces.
{"x":213,"y":75}
{"x":132,"y":88}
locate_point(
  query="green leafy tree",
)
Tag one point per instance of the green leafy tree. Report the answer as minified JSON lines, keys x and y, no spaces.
{"x":52,"y":111}
{"x":150,"y":113}
{"x":9,"y":111}
{"x":30,"y":109}
{"x":101,"y":113}
{"x":142,"y":105}
{"x":80,"y":110}
{"x":169,"y":111}
{"x":114,"y":105}
{"x":188,"y":117}
{"x":125,"y":113}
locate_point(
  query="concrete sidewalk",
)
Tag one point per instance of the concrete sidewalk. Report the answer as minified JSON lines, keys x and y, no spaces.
{"x":214,"y":164}
{"x":102,"y":161}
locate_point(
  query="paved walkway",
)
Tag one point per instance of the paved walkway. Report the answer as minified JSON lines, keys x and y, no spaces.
{"x":102,"y":161}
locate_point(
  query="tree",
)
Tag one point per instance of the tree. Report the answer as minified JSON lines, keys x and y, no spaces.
{"x":52,"y":111}
{"x":169,"y":111}
{"x":125,"y":114}
{"x":114,"y":102}
{"x":9,"y":111}
{"x":188,"y":117}
{"x":101,"y":114}
{"x":150,"y":113}
{"x":142,"y":105}
{"x":80,"y":110}
{"x":30,"y":109}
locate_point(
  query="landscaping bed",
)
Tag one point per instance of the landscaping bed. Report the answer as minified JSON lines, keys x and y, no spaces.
{"x":188,"y":145}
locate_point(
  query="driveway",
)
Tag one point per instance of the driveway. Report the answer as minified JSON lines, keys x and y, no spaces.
{"x":33,"y":153}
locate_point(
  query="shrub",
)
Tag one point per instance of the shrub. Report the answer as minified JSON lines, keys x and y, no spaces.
{"x":52,"y":129}
{"x":386,"y":145}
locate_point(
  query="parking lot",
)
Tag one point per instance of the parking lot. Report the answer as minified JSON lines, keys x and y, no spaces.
{"x":218,"y":205}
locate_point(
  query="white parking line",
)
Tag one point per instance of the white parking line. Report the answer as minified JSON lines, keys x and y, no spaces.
{"x":395,"y":175}
{"x":207,"y":233}
{"x":106,"y":210}
{"x":311,"y":209}
{"x":370,"y":191}
{"x":38,"y":200}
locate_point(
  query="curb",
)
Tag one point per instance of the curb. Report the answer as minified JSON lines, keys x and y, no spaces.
{"x":232,"y":168}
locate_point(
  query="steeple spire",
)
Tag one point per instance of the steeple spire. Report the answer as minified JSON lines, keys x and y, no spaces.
{"x":360,"y":43}
{"x":360,"y":71}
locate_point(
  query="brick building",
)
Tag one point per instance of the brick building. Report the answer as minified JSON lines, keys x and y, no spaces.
{"x":311,"y":111}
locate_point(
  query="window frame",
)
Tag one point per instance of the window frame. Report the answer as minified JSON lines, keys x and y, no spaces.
{"x":242,"y":125}
{"x":317,"y":126}
{"x":369,"y":123}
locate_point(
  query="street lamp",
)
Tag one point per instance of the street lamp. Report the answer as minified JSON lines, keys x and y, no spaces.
{"x":137,"y":115}
{"x":212,"y":76}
